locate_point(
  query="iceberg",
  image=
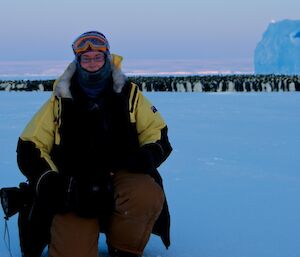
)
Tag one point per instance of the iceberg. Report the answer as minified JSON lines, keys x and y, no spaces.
{"x":279,"y":50}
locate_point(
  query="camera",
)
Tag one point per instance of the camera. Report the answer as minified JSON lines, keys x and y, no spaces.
{"x":13,"y":199}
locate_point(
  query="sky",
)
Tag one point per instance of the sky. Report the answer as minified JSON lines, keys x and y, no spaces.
{"x":36,"y":30}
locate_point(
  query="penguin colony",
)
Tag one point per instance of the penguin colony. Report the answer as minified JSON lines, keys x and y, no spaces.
{"x":215,"y":83}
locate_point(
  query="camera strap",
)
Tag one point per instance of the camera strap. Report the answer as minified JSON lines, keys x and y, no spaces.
{"x":7,"y":237}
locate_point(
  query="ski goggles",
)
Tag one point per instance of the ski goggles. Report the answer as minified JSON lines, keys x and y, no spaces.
{"x":93,"y":41}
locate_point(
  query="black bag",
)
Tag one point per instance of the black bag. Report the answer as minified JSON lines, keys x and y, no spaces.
{"x":34,"y":229}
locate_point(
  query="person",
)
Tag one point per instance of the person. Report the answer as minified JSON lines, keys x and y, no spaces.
{"x":91,"y":155}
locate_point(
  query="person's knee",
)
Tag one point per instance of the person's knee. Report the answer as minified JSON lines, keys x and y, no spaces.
{"x":150,"y":196}
{"x":145,"y":198}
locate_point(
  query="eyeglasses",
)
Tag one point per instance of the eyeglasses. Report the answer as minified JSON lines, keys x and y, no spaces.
{"x":98,"y":58}
{"x":95,"y":43}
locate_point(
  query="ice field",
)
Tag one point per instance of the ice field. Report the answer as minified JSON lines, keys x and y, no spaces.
{"x":232,"y":181}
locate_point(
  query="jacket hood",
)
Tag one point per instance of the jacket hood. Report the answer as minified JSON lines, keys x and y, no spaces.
{"x":61,"y":87}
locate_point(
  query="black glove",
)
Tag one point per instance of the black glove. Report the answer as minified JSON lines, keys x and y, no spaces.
{"x":146,"y":159}
{"x":50,"y":191}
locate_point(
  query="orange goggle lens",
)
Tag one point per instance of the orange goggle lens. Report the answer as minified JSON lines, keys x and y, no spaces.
{"x":92,"y":42}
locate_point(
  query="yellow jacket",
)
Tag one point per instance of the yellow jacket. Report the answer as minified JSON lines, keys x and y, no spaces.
{"x":43,"y":129}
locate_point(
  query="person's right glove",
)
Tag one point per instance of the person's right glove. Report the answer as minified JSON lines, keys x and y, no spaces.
{"x":50,"y":191}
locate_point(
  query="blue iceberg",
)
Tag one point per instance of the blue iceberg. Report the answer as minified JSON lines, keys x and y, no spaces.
{"x":279,"y":50}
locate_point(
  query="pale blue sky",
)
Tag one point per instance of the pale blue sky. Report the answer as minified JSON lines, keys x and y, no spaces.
{"x":139,"y":29}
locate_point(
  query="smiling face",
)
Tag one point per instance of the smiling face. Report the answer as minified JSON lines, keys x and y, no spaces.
{"x":92,"y":60}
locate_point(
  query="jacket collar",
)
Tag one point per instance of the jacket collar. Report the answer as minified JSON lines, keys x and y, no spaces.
{"x":61,"y":87}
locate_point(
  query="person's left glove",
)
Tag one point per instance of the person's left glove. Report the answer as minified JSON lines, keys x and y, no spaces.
{"x":50,"y":190}
{"x":146,"y":159}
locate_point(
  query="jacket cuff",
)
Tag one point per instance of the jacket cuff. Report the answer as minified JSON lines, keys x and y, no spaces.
{"x":30,"y":162}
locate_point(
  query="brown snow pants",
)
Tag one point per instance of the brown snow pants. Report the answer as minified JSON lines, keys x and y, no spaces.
{"x":138,"y":203}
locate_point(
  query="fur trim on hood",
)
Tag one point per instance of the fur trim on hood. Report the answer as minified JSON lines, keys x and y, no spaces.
{"x":62,"y":84}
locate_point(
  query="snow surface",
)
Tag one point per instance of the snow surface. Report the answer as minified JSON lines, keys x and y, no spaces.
{"x":232,"y":181}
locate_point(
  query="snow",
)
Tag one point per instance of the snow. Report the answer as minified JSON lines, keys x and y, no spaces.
{"x":232,"y":181}
{"x":279,"y":49}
